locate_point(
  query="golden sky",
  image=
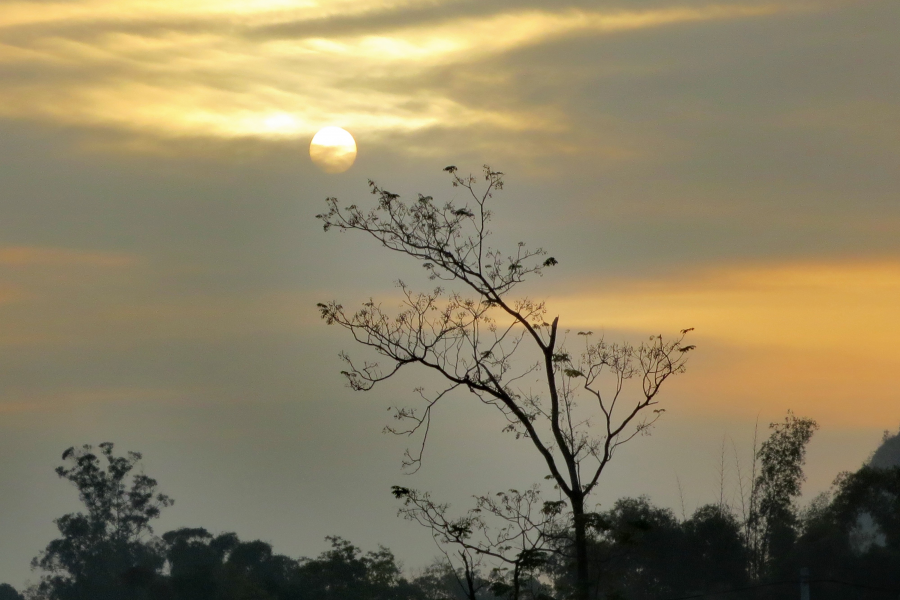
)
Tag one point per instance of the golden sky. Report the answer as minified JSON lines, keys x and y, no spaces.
{"x":819,"y":337}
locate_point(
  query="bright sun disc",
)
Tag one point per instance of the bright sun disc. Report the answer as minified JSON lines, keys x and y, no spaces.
{"x":333,"y":150}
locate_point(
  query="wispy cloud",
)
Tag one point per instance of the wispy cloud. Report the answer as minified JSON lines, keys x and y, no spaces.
{"x":282,"y":69}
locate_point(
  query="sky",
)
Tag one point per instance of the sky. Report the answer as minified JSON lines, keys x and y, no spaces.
{"x":730,"y":166}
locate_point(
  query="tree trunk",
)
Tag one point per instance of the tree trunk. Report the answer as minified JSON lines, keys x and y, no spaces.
{"x":515,"y":592}
{"x":470,"y":578}
{"x":582,"y":580}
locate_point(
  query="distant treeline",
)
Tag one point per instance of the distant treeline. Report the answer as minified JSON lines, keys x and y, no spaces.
{"x":755,"y":547}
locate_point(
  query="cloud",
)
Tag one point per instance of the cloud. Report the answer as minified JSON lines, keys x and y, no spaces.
{"x":227,"y":69}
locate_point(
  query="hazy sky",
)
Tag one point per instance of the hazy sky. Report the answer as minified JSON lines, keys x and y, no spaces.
{"x":729,"y":166}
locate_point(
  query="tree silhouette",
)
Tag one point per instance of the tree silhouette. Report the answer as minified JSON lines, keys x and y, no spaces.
{"x":853,"y":537}
{"x":849,"y":538}
{"x":774,"y":519}
{"x":105,"y":553}
{"x":478,"y":336}
{"x":8,"y":592}
{"x":345,"y":573}
{"x":516,"y":531}
{"x":440,"y":581}
{"x":207,"y":567}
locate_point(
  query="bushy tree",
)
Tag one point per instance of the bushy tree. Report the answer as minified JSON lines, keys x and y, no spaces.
{"x":195,"y":560}
{"x":637,"y":546}
{"x":345,"y":573}
{"x":773,"y":522}
{"x":851,"y":540}
{"x":106,"y":552}
{"x":440,"y":581}
{"x":641,"y":551}
{"x":8,"y":592}
{"x":206,"y":567}
{"x":715,"y":557}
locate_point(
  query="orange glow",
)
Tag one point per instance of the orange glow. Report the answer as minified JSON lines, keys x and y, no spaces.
{"x":820,"y":338}
{"x":800,"y":306}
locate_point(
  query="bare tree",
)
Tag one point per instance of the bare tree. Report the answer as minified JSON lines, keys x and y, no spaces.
{"x":749,"y":495}
{"x":480,"y":338}
{"x":721,"y":476}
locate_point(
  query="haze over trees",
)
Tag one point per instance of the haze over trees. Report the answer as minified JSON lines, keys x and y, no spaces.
{"x":888,"y":454}
{"x":849,"y":539}
{"x":504,"y":348}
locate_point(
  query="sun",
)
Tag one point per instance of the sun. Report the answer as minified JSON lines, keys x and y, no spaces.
{"x":333,"y":149}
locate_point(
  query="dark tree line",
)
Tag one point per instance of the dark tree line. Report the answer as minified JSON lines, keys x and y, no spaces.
{"x":849,"y":540}
{"x":109,"y":551}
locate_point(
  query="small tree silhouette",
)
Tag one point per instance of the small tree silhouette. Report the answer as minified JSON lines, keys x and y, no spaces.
{"x":107,"y":549}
